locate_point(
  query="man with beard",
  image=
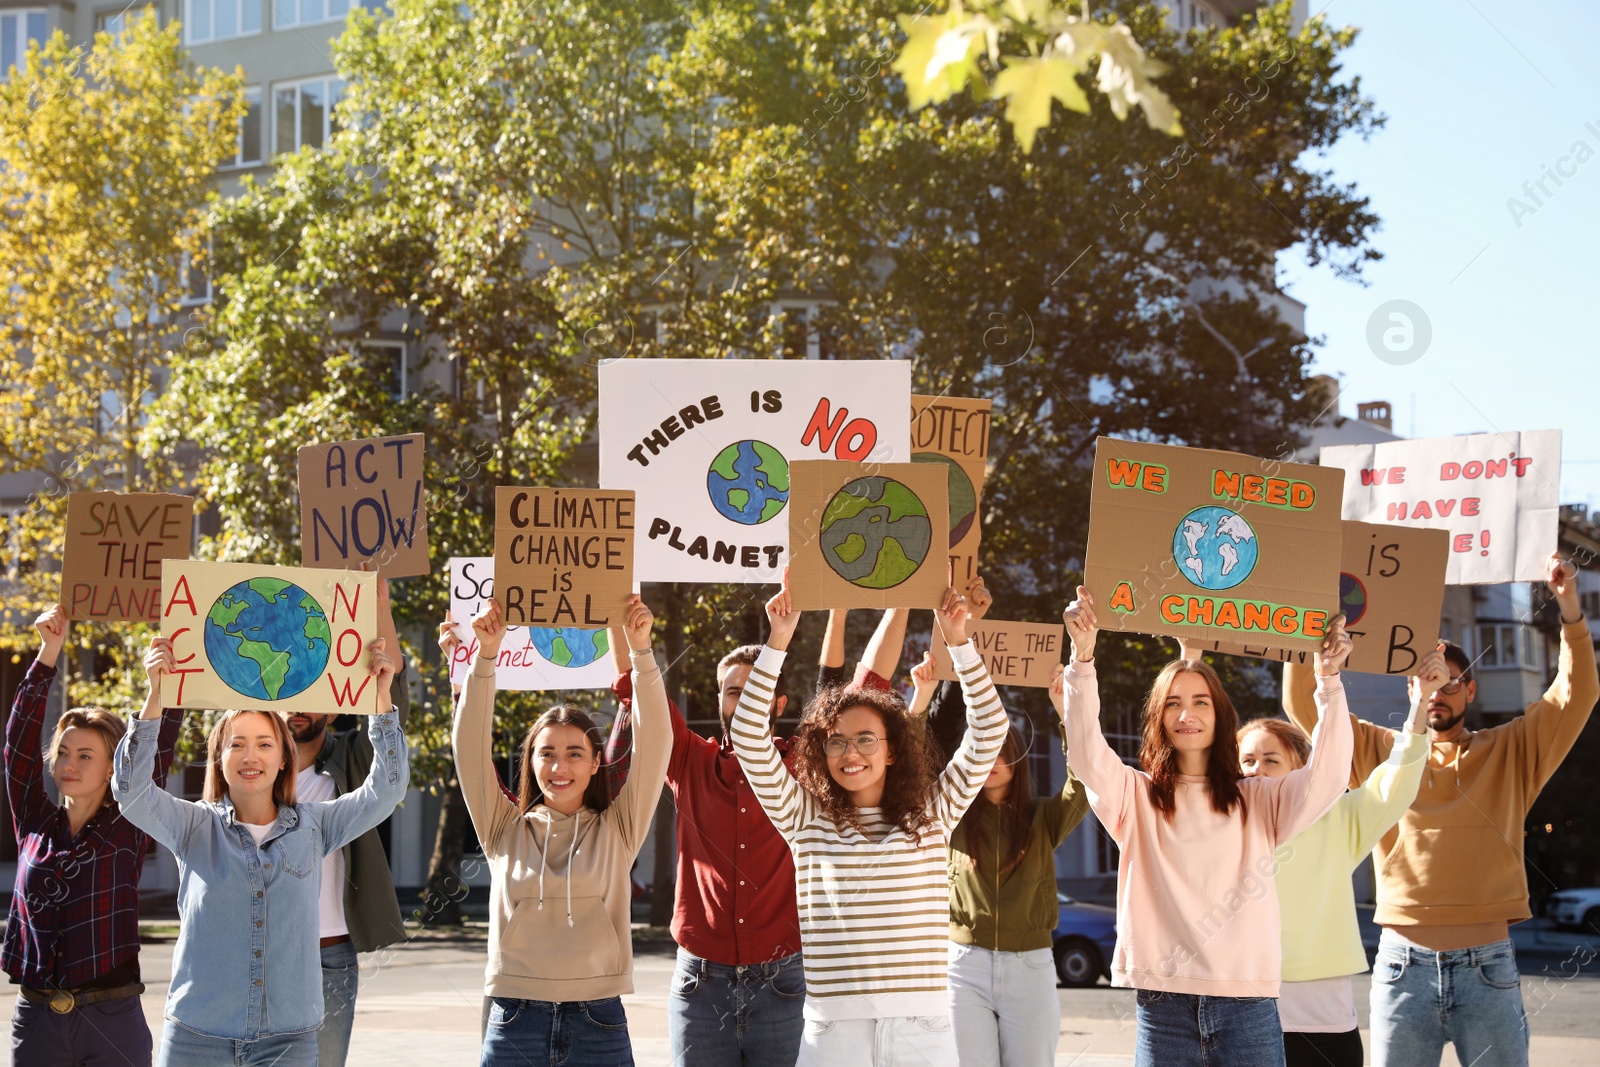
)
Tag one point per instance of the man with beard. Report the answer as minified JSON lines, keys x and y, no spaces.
{"x":358,"y":911}
{"x":1450,"y":875}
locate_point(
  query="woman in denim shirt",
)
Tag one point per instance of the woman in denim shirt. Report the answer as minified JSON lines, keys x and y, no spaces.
{"x":247,"y":974}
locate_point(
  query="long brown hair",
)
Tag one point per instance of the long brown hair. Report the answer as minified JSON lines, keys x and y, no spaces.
{"x":1016,"y":811}
{"x":908,"y":782}
{"x":1294,"y":740}
{"x":1160,"y":759}
{"x":282,"y":786}
{"x":597,"y":794}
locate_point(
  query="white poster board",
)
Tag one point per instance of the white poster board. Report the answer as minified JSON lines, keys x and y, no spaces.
{"x":531,"y":658}
{"x":706,"y":444}
{"x":1496,"y":493}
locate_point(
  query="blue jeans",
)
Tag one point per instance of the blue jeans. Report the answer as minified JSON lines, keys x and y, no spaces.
{"x":341,"y":975}
{"x":1189,"y":1030}
{"x":1003,"y":1007}
{"x":1469,"y":997}
{"x":720,"y":1015}
{"x":181,"y":1047}
{"x":578,"y":1033}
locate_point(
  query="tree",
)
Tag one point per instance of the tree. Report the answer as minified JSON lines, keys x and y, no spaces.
{"x":107,"y":156}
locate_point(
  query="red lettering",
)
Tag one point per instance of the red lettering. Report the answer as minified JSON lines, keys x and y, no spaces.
{"x":1397,"y":512}
{"x":820,"y":428}
{"x":1422,"y":510}
{"x":175,"y":635}
{"x":1494,"y":468}
{"x":1522,"y":464}
{"x":1445,"y":507}
{"x":1449,"y":472}
{"x":180,"y":673}
{"x":346,"y":698}
{"x":1120,"y":471}
{"x":1462,"y":543}
{"x":857,"y":440}
{"x":338,"y":648}
{"x":1472,"y":469}
{"x":1469,"y":505}
{"x":1372,"y":477}
{"x":350,"y":606}
{"x":1397,"y":475}
{"x":187,"y":597}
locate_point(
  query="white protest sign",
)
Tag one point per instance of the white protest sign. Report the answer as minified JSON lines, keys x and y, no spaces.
{"x":531,"y":657}
{"x":705,"y":444}
{"x":1495,"y":492}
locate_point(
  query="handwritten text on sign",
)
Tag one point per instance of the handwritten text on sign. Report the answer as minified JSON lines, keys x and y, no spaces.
{"x":1016,"y":653}
{"x":563,"y":557}
{"x":363,"y":500}
{"x":115,"y":542}
{"x":531,"y":658}
{"x":271,"y":638}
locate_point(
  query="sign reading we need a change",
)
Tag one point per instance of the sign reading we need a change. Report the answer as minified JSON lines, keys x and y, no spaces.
{"x":531,"y":657}
{"x":268,"y":638}
{"x":706,"y":445}
{"x":1214,"y":546}
{"x":1496,"y":493}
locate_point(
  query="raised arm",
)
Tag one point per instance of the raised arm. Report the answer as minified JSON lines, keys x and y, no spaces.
{"x":619,"y":742}
{"x":1389,"y":790}
{"x":1303,"y":796}
{"x":1551,"y":724}
{"x":472,"y":736}
{"x":140,"y":800}
{"x":969,"y":766}
{"x":1371,"y":742}
{"x":24,"y":760}
{"x":1064,"y":811}
{"x":786,"y":804}
{"x":346,"y":818}
{"x":887,"y":644}
{"x":635,"y":804}
{"x":1111,"y":785}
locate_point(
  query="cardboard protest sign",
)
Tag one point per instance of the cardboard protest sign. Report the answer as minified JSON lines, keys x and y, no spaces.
{"x":563,"y":557}
{"x":867,"y":535}
{"x":269,"y":638}
{"x":1214,"y":546}
{"x":363,"y":500}
{"x":707,"y":445}
{"x":114,"y":545}
{"x":1495,"y":492}
{"x":531,"y":657}
{"x":953,"y":432}
{"x":1391,"y":590}
{"x":1016,"y":653}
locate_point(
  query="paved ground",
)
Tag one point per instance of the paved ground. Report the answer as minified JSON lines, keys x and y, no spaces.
{"x":420,"y":1004}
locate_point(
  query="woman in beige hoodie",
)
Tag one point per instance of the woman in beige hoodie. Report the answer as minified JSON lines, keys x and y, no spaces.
{"x":560,"y":952}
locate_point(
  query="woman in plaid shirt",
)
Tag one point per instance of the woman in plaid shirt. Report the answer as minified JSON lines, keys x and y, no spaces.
{"x":72,"y":936}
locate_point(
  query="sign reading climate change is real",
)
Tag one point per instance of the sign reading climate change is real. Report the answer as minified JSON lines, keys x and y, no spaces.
{"x":706,"y":446}
{"x":1216,"y":546}
{"x":270,"y":638}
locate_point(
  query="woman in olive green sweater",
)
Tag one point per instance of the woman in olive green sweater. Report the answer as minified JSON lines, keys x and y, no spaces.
{"x":1003,"y":1003}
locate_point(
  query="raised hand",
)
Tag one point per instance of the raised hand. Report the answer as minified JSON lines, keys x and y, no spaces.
{"x":381,"y":665}
{"x":448,"y":641}
{"x":1433,"y":674}
{"x":923,"y":684}
{"x":1335,"y":649}
{"x":782,"y":619}
{"x":636,"y":624}
{"x":52,"y":627}
{"x":978,"y":598}
{"x":1082,"y":625}
{"x":1563,"y":581}
{"x":158,"y":661}
{"x":952,"y":617}
{"x":490,"y":629}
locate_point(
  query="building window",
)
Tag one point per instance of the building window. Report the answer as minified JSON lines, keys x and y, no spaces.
{"x":247,"y":146}
{"x":286,"y":13}
{"x":303,"y":113}
{"x":387,"y":360}
{"x":196,"y":283}
{"x":1507,"y":646}
{"x":218,"y":20}
{"x":1590,"y":603}
{"x":17,"y":29}
{"x":117,"y":22}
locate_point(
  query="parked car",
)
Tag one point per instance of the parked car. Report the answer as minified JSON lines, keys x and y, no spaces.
{"x":1085,"y":939}
{"x":1575,"y":907}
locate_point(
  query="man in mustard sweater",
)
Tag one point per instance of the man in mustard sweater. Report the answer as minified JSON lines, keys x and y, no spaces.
{"x":1450,"y":875}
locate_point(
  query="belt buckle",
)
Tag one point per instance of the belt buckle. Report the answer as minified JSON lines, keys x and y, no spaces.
{"x":62,"y":1002}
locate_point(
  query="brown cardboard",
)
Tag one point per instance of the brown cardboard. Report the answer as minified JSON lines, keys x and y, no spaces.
{"x":364,"y":500}
{"x":1266,"y":544}
{"x":953,"y":432}
{"x":826,"y":557}
{"x":563,"y":557}
{"x":114,"y":545}
{"x":1391,"y":586}
{"x":1016,"y":653}
{"x":319,"y":665}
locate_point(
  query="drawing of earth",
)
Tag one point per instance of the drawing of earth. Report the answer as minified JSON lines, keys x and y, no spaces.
{"x":963,"y":497}
{"x":1215,"y":548}
{"x":748,"y":482}
{"x":267,"y":638}
{"x":565,"y":646}
{"x":1352,"y":598}
{"x":875,"y":533}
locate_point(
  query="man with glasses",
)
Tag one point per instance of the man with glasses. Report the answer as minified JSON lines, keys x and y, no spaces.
{"x":739,"y":987}
{"x":1450,"y":875}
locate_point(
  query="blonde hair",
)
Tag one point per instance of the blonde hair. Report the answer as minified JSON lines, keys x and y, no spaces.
{"x":107,"y":724}
{"x":1294,"y":740}
{"x":282,"y":786}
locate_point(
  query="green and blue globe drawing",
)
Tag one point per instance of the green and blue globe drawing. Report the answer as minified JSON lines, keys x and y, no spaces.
{"x":963,"y":497}
{"x":566,"y":646}
{"x":1352,"y":598}
{"x":875,"y":533}
{"x":748,"y":482}
{"x":267,"y":638}
{"x":1215,"y":548}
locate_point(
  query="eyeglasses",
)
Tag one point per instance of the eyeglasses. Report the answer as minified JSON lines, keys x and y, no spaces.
{"x":1452,"y":687}
{"x":865,"y":744}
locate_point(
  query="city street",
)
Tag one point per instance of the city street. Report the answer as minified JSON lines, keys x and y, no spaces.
{"x":420,"y":1004}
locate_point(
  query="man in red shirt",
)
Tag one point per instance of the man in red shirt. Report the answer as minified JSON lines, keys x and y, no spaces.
{"x":739,"y":988}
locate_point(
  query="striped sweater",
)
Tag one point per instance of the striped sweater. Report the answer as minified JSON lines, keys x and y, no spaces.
{"x":874,"y":908}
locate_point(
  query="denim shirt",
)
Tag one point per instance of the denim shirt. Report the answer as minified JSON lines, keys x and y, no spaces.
{"x":247,"y":964}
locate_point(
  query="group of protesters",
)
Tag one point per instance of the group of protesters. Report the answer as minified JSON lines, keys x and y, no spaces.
{"x":879,"y":888}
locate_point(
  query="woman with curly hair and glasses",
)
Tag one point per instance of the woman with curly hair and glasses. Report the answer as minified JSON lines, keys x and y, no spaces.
{"x":869,"y":819}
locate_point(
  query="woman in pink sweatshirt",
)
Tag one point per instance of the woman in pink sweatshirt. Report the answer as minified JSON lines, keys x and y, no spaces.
{"x":1197,"y":912}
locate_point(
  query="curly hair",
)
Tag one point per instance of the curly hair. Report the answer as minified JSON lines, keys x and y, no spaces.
{"x":908,"y":782}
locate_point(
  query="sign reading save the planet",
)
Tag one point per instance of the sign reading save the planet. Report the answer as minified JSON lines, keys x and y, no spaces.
{"x":707,"y":444}
{"x":953,"y":432}
{"x":269,"y":638}
{"x":531,"y":657}
{"x":1214,"y":546}
{"x":112,"y":553}
{"x":868,"y":535}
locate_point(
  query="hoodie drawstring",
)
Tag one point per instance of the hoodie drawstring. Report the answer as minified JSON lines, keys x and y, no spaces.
{"x":544,"y":854}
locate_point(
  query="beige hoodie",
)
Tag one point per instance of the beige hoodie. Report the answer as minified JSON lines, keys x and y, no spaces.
{"x":560,"y":892}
